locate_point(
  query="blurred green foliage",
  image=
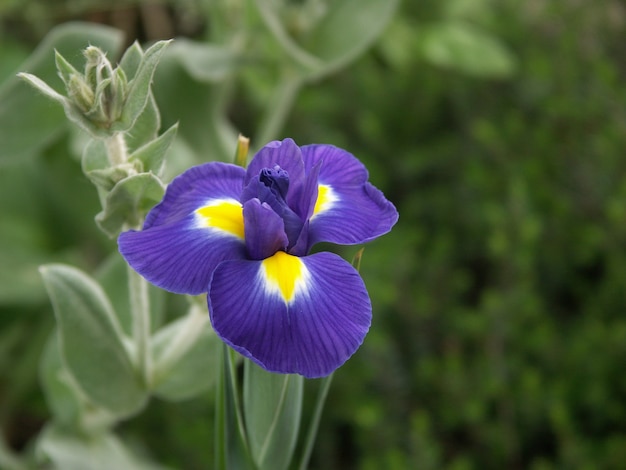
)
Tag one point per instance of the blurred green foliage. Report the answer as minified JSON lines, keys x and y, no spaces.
{"x":498,"y":128}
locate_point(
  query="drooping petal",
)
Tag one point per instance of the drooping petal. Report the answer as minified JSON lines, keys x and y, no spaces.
{"x":264,"y":230}
{"x":291,"y":315}
{"x":193,"y":188}
{"x":181,"y":256}
{"x":348,"y":209}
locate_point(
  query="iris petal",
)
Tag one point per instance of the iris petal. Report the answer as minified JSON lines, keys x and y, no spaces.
{"x":348,"y":209}
{"x":181,"y":256}
{"x":197,"y":225}
{"x":291,"y":315}
{"x":339,"y":167}
{"x":286,"y":155}
{"x":264,"y":229}
{"x":193,"y":188}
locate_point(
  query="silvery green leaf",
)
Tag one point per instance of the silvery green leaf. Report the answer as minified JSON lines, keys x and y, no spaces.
{"x":344,"y":31}
{"x":91,"y":341}
{"x":112,"y":274}
{"x":139,"y":87}
{"x":460,"y":46}
{"x":272,"y":406}
{"x":72,"y":112}
{"x":64,"y":68}
{"x":151,"y":156}
{"x":42,"y":87}
{"x":146,"y":126}
{"x":27,"y":122}
{"x":186,"y":357}
{"x":70,"y":450}
{"x":204,"y":62}
{"x":129,"y":200}
{"x":132,"y":59}
{"x":68,"y":403}
{"x":96,"y":166}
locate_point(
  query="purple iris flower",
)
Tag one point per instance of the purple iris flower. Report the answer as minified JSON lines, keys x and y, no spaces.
{"x":244,"y":237}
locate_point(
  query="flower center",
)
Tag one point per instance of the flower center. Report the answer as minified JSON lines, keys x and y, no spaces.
{"x":277,"y":180}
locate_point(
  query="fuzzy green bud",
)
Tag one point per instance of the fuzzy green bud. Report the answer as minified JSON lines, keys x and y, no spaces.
{"x":80,"y":93}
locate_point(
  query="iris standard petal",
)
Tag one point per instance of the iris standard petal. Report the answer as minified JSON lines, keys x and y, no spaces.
{"x":264,"y":230}
{"x":348,"y":209}
{"x":181,"y":256}
{"x":193,"y":188}
{"x":291,"y":315}
{"x":351,"y":215}
{"x":339,"y":167}
{"x":285,"y":154}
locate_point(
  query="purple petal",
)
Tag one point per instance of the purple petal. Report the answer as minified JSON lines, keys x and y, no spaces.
{"x":291,"y":315}
{"x":264,"y":230}
{"x":339,"y":167}
{"x":180,"y":256}
{"x":348,"y":209}
{"x":285,"y":154}
{"x":255,"y":189}
{"x":352,"y":214}
{"x":190,"y":190}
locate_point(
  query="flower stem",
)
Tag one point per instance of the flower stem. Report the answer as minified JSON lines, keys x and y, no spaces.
{"x":279,"y":107}
{"x":116,"y":149}
{"x":315,"y":421}
{"x":140,"y":309}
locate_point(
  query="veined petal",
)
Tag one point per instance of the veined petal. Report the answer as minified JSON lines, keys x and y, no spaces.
{"x":348,"y":209}
{"x":339,"y":167}
{"x":285,"y":154}
{"x":180,"y":256}
{"x":195,"y":188}
{"x":291,"y":315}
{"x":350,"y":215}
{"x":222,"y":215}
{"x":264,"y":230}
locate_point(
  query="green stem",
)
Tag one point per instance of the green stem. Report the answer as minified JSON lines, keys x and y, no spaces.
{"x":140,"y":309}
{"x":315,"y":421}
{"x":116,"y":149}
{"x":232,"y":372}
{"x":221,"y":420}
{"x":279,"y":107}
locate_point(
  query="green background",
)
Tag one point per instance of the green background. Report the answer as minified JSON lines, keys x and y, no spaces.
{"x":498,"y":129}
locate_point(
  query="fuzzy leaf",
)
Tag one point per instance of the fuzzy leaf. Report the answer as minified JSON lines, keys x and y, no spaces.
{"x":70,"y":450}
{"x":272,"y":407}
{"x":204,"y":62}
{"x":129,"y":200}
{"x":191,"y":369}
{"x":152,"y":154}
{"x":139,"y":87}
{"x":467,"y":49}
{"x":91,"y":342}
{"x":27,"y":122}
{"x":343,"y":33}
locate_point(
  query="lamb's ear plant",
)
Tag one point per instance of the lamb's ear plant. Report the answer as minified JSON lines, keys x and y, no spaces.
{"x":236,"y":239}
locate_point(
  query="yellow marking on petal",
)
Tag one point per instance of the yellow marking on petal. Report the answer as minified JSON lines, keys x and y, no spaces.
{"x":226,"y":215}
{"x":325,"y":198}
{"x":285,"y":275}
